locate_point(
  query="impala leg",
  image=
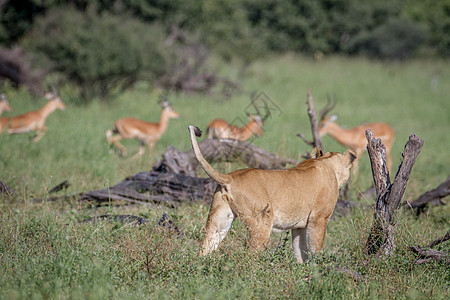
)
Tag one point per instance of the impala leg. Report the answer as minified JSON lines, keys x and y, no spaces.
{"x":39,"y":134}
{"x":150,"y":145}
{"x":299,"y":244}
{"x":115,"y":141}
{"x":219,"y":223}
{"x":141,"y":151}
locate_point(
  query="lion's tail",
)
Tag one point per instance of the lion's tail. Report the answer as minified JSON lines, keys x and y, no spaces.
{"x":216,"y":176}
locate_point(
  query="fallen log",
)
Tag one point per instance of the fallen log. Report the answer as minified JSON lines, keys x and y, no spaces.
{"x":164,"y":221}
{"x":220,"y":150}
{"x":173,"y":179}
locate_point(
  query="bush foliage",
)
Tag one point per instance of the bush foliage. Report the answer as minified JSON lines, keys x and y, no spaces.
{"x":101,"y":44}
{"x":99,"y":53}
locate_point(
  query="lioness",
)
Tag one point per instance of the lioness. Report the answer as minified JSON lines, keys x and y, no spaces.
{"x":301,"y":199}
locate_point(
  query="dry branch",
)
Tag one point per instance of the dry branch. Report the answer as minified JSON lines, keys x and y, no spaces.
{"x":427,"y":254}
{"x":381,"y":238}
{"x":5,"y":189}
{"x":445,"y":238}
{"x":317,"y":140}
{"x":434,"y":196}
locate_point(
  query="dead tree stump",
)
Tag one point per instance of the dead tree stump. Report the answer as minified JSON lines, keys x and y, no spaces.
{"x":381,"y":238}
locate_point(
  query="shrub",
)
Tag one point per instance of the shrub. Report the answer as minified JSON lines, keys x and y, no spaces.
{"x":396,"y":39}
{"x":102,"y":53}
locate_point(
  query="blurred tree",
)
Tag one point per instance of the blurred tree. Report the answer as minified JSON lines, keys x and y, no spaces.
{"x":396,"y":39}
{"x":107,"y":45}
{"x":290,"y":25}
{"x":17,"y":17}
{"x":436,"y":16}
{"x":101,"y":53}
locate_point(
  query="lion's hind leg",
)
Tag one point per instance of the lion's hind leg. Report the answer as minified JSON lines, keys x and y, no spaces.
{"x":219,"y":222}
{"x":259,"y":227}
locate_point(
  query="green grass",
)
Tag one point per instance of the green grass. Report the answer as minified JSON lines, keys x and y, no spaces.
{"x":46,"y":253}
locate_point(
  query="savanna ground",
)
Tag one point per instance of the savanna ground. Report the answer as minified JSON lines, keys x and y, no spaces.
{"x":45,"y":252}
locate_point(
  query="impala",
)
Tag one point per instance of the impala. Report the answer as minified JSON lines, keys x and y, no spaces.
{"x":4,"y":105}
{"x":355,"y":138}
{"x":146,"y":132}
{"x":220,"y":129}
{"x":33,"y":120}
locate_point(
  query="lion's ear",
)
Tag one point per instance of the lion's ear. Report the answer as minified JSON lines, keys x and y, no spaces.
{"x":351,"y":155}
{"x":316,"y":152}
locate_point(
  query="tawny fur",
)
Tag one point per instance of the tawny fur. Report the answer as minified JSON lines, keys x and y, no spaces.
{"x":220,"y":129}
{"x":355,"y":138}
{"x":146,"y":132}
{"x":301,"y":199}
{"x":33,"y":120}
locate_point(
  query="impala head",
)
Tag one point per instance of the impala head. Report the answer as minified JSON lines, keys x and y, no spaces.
{"x":168,"y":109}
{"x":258,"y":121}
{"x":325,"y":124}
{"x":4,"y":105}
{"x":55,"y":100}
{"x":259,"y":117}
{"x":325,"y":121}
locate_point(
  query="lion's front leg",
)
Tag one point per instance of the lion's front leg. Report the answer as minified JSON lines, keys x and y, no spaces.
{"x":316,"y":234}
{"x":299,"y":244}
{"x":219,"y":222}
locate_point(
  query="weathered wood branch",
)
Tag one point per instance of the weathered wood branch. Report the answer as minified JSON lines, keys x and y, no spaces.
{"x":440,"y":240}
{"x":426,"y":254}
{"x":433,"y":196}
{"x":314,"y":123}
{"x":155,"y":187}
{"x":381,"y":238}
{"x":5,"y":189}
{"x":410,"y":153}
{"x":317,"y":140}
{"x":307,"y":142}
